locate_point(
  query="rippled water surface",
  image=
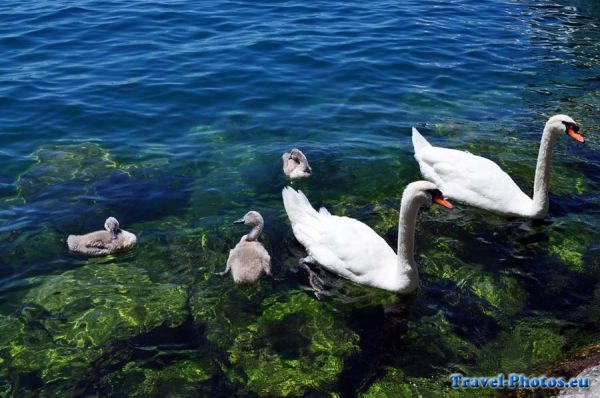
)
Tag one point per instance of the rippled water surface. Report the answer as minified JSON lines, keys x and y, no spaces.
{"x":172,"y":117}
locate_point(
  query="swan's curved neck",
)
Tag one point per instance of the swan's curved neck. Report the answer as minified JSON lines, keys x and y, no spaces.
{"x":407,"y":222}
{"x":539,"y":206}
{"x":255,"y":232}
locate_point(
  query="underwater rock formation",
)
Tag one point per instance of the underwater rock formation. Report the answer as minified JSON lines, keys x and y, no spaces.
{"x":74,"y":325}
{"x":289,"y":345}
{"x":294,"y":347}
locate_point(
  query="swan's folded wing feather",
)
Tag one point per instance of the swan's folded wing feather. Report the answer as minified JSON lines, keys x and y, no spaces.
{"x":97,"y":244}
{"x":470,"y":179}
{"x":340,"y":244}
{"x":324,"y":211}
{"x":355,"y":245}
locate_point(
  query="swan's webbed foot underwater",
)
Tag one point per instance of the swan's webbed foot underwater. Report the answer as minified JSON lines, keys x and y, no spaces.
{"x":315,"y":281}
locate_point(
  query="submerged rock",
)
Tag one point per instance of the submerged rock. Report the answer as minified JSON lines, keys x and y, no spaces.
{"x":84,"y":179}
{"x":396,"y":383}
{"x":30,"y":246}
{"x":501,"y":291}
{"x":593,"y":376}
{"x":571,"y":239}
{"x":85,"y":163}
{"x":180,"y":378}
{"x":530,"y":343}
{"x":284,"y":344}
{"x":75,"y":323}
{"x":293,"y":347}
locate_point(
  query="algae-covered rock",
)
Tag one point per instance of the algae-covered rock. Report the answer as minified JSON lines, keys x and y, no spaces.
{"x":434,"y":337}
{"x":173,"y":248}
{"x":74,"y":320}
{"x":527,"y":344}
{"x":82,"y":163}
{"x":224,"y":308}
{"x":31,"y":246}
{"x":501,"y":290}
{"x":100,"y":304}
{"x":294,"y":346}
{"x":85,"y":179}
{"x":180,"y":378}
{"x":570,"y":239}
{"x":395,"y":383}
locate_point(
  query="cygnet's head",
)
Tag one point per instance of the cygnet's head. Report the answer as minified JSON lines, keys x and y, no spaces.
{"x":563,"y":124}
{"x":251,"y":218}
{"x":112,"y":225}
{"x":298,"y":157}
{"x":425,"y":193}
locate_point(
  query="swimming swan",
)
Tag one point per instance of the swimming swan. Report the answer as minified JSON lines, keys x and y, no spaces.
{"x":102,"y":243}
{"x":249,"y":259}
{"x":480,"y":182}
{"x":295,"y":164}
{"x":352,"y":249}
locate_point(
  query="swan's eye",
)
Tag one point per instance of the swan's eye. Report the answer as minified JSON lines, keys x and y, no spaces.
{"x":571,"y":126}
{"x":435,"y":193}
{"x":438,"y":197}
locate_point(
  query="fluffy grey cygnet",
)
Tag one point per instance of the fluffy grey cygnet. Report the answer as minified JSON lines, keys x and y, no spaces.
{"x":248,"y":260}
{"x":295,"y":164}
{"x":102,"y":243}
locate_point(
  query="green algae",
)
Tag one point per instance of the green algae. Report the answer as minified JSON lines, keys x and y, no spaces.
{"x":293,"y":347}
{"x":525,"y":345}
{"x":177,"y":379}
{"x":442,"y":342}
{"x":173,"y":249}
{"x":110,"y":302}
{"x":75,"y":319}
{"x":223,"y":308}
{"x":388,"y":218}
{"x":570,"y":239}
{"x":499,"y":290}
{"x":396,"y":383}
{"x":58,"y":164}
{"x":286,"y":345}
{"x":29,"y":246}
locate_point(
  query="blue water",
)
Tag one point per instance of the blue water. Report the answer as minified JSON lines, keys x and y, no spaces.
{"x":177,"y":114}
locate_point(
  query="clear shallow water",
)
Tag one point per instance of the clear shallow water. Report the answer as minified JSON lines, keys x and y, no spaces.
{"x":173,"y":117}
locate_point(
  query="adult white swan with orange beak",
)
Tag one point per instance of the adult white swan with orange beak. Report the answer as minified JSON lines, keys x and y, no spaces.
{"x":479,"y":182}
{"x":351,"y":249}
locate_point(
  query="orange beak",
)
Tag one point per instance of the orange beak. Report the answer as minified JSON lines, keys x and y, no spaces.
{"x":575,"y":135}
{"x":442,"y":202}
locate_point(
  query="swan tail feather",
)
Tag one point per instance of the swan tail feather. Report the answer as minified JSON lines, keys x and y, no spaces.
{"x":297,"y":206}
{"x":324,"y":211}
{"x":419,"y":142}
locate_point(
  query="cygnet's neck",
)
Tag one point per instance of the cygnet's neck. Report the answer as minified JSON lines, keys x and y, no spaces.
{"x":255,"y":232}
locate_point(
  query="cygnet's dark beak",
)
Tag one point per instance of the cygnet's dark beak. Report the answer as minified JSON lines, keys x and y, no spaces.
{"x":114,"y":234}
{"x":308,"y":171}
{"x":240,"y":221}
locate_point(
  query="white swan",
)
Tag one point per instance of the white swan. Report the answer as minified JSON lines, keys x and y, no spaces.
{"x":352,"y":249}
{"x":480,"y":182}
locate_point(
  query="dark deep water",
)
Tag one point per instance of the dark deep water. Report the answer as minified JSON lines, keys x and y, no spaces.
{"x":172,"y":117}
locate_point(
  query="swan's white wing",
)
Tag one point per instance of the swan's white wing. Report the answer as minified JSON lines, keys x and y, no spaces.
{"x":350,"y":248}
{"x":324,"y":211}
{"x":343,"y":245}
{"x":472,"y":180}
